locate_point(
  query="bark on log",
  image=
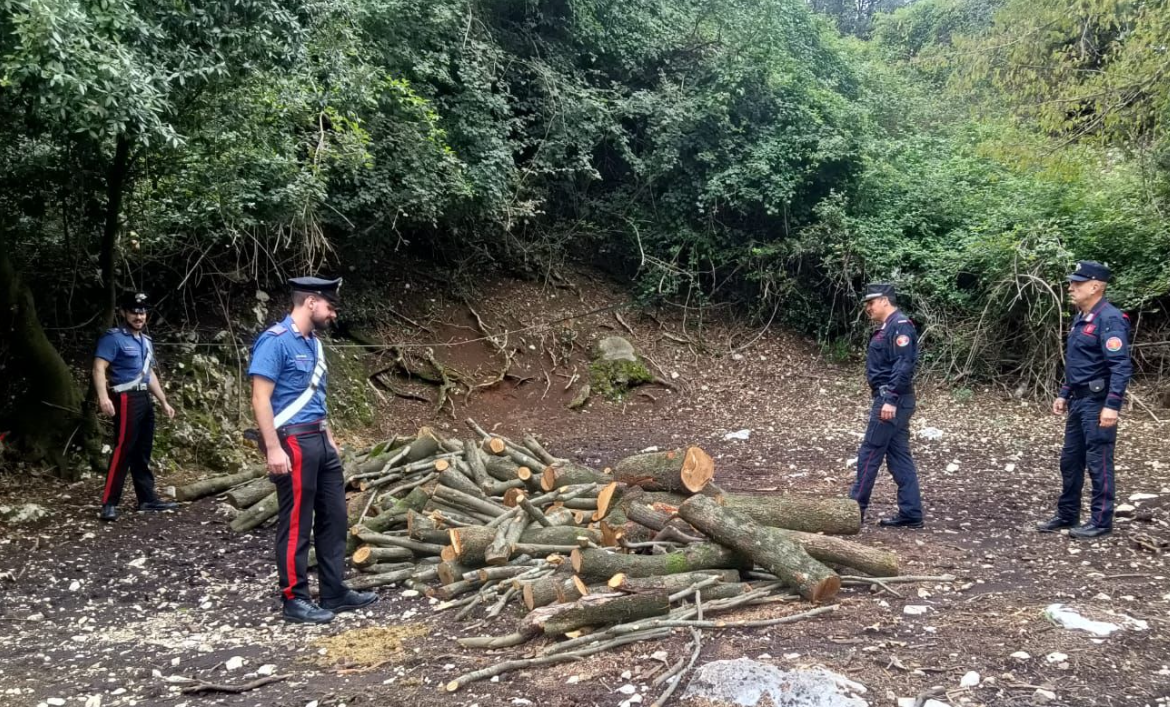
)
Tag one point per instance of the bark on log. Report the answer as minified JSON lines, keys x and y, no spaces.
{"x":837,"y":551}
{"x":369,"y":581}
{"x":465,"y":500}
{"x":831,"y":516}
{"x":669,"y":583}
{"x":598,"y":609}
{"x":685,"y":471}
{"x":421,"y":527}
{"x":426,"y":444}
{"x":256,"y":515}
{"x":367,"y":555}
{"x":600,"y":565}
{"x":499,"y":468}
{"x":500,"y":550}
{"x":249,"y":494}
{"x":216,"y":484}
{"x":543,"y":591}
{"x":471,"y":543}
{"x":474,"y":460}
{"x":454,"y":479}
{"x":767,"y":547}
{"x":569,"y":474}
{"x":451,"y":572}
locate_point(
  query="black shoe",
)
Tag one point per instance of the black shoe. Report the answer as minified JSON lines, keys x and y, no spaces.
{"x":109,"y":512}
{"x":900,"y":521}
{"x":1089,"y":530}
{"x":1054,"y":524}
{"x":303,"y":611}
{"x":349,"y":601}
{"x":156,"y":506}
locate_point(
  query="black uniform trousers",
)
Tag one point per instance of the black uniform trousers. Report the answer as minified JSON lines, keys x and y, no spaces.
{"x":311,"y":499}
{"x":133,"y":443}
{"x":1089,"y":446}
{"x":889,"y":442}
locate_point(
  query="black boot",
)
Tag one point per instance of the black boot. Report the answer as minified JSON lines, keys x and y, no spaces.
{"x":1088,"y":531}
{"x":900,"y":521}
{"x":303,"y":611}
{"x":1054,"y":524}
{"x":109,"y":512}
{"x":349,"y":601}
{"x":156,"y":506}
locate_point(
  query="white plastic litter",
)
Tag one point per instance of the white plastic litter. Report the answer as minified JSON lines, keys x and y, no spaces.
{"x":747,"y":682}
{"x":738,"y":434}
{"x":1062,"y":615}
{"x":931,"y":433}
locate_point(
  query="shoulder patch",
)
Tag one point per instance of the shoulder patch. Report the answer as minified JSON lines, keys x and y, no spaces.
{"x":1114,"y":343}
{"x":902,"y":340}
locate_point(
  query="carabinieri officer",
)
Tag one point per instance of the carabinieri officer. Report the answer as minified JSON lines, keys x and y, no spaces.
{"x":1097,"y":369}
{"x":124,"y":377}
{"x":889,"y":368}
{"x":288,"y":399}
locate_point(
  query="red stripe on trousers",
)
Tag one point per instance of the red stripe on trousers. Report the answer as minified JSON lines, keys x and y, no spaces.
{"x":119,"y":448}
{"x":294,"y":526}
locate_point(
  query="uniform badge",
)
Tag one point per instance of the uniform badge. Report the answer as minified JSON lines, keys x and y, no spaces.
{"x":1091,"y":328}
{"x":1113,"y":344}
{"x":902,"y":340}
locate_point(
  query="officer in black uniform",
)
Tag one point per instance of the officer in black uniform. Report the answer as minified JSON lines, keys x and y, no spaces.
{"x":889,"y":367}
{"x":288,"y":398}
{"x":124,"y":378}
{"x":1097,"y":371}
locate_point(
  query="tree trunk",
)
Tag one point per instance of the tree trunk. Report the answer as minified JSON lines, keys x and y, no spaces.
{"x":214,"y":485}
{"x":768,"y":547}
{"x":834,"y":550}
{"x":249,"y":494}
{"x":256,"y":515}
{"x":569,"y":474}
{"x":600,"y":565}
{"x":367,"y":555}
{"x":831,"y":516}
{"x":669,"y":583}
{"x":115,"y":188}
{"x":684,"y":471}
{"x":598,"y":609}
{"x":49,"y":413}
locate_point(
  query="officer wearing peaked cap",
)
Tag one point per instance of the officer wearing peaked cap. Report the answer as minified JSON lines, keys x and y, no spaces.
{"x":889,"y":368}
{"x":1097,"y":371}
{"x":288,"y":374}
{"x":124,"y":378}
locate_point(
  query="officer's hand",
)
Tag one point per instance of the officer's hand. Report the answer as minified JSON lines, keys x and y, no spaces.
{"x":107,"y":407}
{"x":1059,"y":406}
{"x":170,"y":411}
{"x":888,"y":412}
{"x":1108,"y":418}
{"x":278,"y":462}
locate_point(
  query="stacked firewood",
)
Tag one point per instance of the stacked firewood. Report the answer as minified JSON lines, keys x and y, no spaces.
{"x":482,"y":522}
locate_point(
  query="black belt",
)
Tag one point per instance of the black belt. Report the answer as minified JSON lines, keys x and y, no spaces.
{"x":303,"y":428}
{"x":1082,"y":391}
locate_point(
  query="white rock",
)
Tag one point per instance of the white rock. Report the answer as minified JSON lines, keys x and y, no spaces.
{"x":971,"y":679}
{"x":1068,"y":618}
{"x":627,"y":689}
{"x":915,"y":609}
{"x":55,"y":701}
{"x":139,"y":563}
{"x":930,"y":433}
{"x":1142,"y":497}
{"x":521,"y":701}
{"x":952,"y":467}
{"x":1009,"y":468}
{"x":573,"y":679}
{"x":311,"y":704}
{"x":1056,"y":657}
{"x":1043,"y":697}
{"x":74,"y":586}
{"x":1021,"y":655}
{"x":738,"y":434}
{"x":93,"y":701}
{"x":647,"y":450}
{"x":234,"y":663}
{"x":626,"y":675}
{"x":660,"y":655}
{"x":1125,"y":510}
{"x":410,"y":593}
{"x":266,"y":669}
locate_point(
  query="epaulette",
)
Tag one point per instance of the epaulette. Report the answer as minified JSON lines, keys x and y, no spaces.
{"x":276,"y":329}
{"x":113,"y":330}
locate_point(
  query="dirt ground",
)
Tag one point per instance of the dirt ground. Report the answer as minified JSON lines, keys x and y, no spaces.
{"x":94,"y":614}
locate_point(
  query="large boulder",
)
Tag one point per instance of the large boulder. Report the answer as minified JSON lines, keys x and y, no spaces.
{"x":746,"y":683}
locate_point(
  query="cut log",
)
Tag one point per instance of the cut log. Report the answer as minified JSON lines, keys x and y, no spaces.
{"x":454,"y":479}
{"x":471,"y":543}
{"x":541,"y":453}
{"x":500,"y":550}
{"x":513,"y":496}
{"x":838,"y":551}
{"x":499,"y":488}
{"x":608,"y":497}
{"x":256,"y":515}
{"x":474,"y":460}
{"x":543,"y":591}
{"x":669,"y":583}
{"x":831,"y":516}
{"x":422,"y":527}
{"x":385,"y":567}
{"x":495,"y":445}
{"x":369,"y":581}
{"x":680,"y":470}
{"x":598,"y":609}
{"x":468,"y":501}
{"x":569,"y":474}
{"x":450,"y":572}
{"x":370,"y":555}
{"x":425,"y":444}
{"x":767,"y":547}
{"x":249,"y":494}
{"x":599,"y":565}
{"x":500,"y":468}
{"x":217,"y":484}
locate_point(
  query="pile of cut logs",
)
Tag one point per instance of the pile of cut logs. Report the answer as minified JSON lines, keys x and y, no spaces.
{"x":643,"y":548}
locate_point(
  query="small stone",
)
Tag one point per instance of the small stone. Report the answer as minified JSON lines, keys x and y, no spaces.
{"x":1021,"y":655}
{"x":138,"y":563}
{"x":1042,"y":696}
{"x":952,"y":467}
{"x":1125,"y":510}
{"x":74,"y":586}
{"x":55,"y":702}
{"x":234,"y":663}
{"x":627,"y":689}
{"x":660,"y":655}
{"x":626,"y":675}
{"x":573,"y":680}
{"x":914,"y":609}
{"x":267,"y":669}
{"x":93,"y":701}
{"x":971,"y":679}
{"x":1142,"y":497}
{"x":1056,"y":657}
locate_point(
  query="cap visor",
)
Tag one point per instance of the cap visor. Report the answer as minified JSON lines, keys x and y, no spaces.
{"x":1078,"y":278}
{"x":873,"y":296}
